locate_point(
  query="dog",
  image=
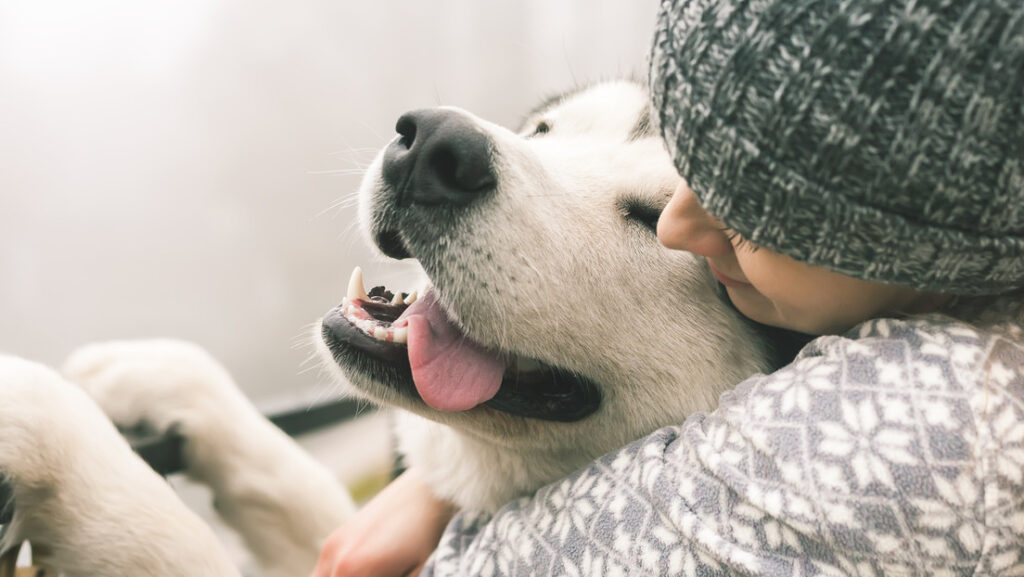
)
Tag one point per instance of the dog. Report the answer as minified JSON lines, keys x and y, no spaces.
{"x":550,"y":328}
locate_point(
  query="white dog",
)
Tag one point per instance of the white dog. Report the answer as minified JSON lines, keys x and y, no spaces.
{"x":553,"y":328}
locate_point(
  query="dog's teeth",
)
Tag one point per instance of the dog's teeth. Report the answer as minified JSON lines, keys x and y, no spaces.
{"x":412,"y":297}
{"x":355,"y":286}
{"x":380,"y":333}
{"x":397,"y":300}
{"x":401,"y":335}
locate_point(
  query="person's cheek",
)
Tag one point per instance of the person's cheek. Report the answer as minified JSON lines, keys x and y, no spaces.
{"x":824,"y":305}
{"x":759,"y":271}
{"x":789,"y":297}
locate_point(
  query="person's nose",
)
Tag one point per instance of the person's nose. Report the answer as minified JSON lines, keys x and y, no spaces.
{"x":685,"y":225}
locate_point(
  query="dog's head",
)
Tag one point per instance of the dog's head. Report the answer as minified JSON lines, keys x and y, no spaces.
{"x":550,"y":306}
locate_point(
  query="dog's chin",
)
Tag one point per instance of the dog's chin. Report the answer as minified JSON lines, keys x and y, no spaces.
{"x":362,"y":338}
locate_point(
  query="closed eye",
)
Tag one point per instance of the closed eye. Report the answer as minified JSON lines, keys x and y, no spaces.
{"x":641,"y":212}
{"x":542,"y":127}
{"x":739,"y":242}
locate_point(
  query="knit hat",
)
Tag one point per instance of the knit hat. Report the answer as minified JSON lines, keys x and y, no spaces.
{"x":882,"y":139}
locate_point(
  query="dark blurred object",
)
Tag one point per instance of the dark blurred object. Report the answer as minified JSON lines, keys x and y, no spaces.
{"x":6,"y":506}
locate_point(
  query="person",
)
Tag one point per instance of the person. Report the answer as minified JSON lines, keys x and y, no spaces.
{"x":852,"y":169}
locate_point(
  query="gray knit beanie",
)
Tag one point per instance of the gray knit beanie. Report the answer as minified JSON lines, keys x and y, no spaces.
{"x":882,"y":139}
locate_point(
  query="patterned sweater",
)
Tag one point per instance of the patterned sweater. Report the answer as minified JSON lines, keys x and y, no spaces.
{"x":897,"y":449}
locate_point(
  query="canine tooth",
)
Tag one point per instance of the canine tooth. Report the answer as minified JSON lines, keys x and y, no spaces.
{"x":397,"y":300}
{"x":412,"y":297}
{"x":355,"y":286}
{"x":380,"y":333}
{"x":401,"y":335}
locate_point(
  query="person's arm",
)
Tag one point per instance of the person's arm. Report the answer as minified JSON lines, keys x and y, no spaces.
{"x":859,"y":458}
{"x":392,"y":536}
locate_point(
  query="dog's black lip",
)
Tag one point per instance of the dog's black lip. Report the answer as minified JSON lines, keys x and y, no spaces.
{"x":549,"y":394}
{"x":391,"y":244}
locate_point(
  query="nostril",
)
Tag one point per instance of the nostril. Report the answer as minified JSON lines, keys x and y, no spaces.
{"x":406,"y":129}
{"x":462,"y":164}
{"x":445,"y":165}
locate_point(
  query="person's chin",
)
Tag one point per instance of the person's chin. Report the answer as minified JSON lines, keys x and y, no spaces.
{"x":754,"y":305}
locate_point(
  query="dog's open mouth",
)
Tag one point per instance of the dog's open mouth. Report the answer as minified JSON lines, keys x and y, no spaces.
{"x":408,"y":342}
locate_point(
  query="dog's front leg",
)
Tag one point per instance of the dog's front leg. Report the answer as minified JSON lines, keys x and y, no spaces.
{"x":282,"y":502}
{"x":81,"y":494}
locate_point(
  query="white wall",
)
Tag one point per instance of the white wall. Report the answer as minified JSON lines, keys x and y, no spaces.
{"x":173,"y":168}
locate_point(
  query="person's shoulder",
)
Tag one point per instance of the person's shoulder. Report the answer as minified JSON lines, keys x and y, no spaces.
{"x":933,"y":351}
{"x":890,"y":353}
{"x":972,"y":323}
{"x":969,"y":322}
{"x":912,"y":340}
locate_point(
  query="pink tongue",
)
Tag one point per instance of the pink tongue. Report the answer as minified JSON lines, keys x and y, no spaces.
{"x":451,"y":372}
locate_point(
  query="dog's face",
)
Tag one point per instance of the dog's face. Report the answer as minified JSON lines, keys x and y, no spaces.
{"x":553,"y":319}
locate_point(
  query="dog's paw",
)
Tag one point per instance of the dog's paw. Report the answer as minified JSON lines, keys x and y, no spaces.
{"x":275,"y":495}
{"x":156,"y":384}
{"x":91,"y":505}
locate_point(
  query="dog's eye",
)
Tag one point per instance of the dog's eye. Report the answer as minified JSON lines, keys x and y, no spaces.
{"x":543,"y":127}
{"x":639,"y":212}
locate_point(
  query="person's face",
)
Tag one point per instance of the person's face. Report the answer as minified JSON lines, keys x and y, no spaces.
{"x":774,"y":289}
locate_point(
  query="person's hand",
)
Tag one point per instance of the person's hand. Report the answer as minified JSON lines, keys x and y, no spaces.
{"x":392,"y":536}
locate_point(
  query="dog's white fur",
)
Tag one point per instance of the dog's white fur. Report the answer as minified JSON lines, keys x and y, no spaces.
{"x":550,"y":268}
{"x":585,"y":289}
{"x":281,"y":501}
{"x":83,"y":496}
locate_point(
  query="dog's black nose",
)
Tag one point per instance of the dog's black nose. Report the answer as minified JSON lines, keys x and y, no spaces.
{"x":440,"y":157}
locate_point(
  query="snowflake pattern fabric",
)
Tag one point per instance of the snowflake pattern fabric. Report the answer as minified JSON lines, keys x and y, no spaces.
{"x":897,"y":450}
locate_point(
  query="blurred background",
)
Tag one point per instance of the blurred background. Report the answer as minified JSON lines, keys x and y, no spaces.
{"x":176,"y":168}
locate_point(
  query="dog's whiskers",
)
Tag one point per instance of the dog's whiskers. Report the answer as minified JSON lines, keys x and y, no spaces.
{"x":350,"y":150}
{"x":373,"y":130}
{"x":347,"y":231}
{"x":337,"y":171}
{"x":347,"y":201}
